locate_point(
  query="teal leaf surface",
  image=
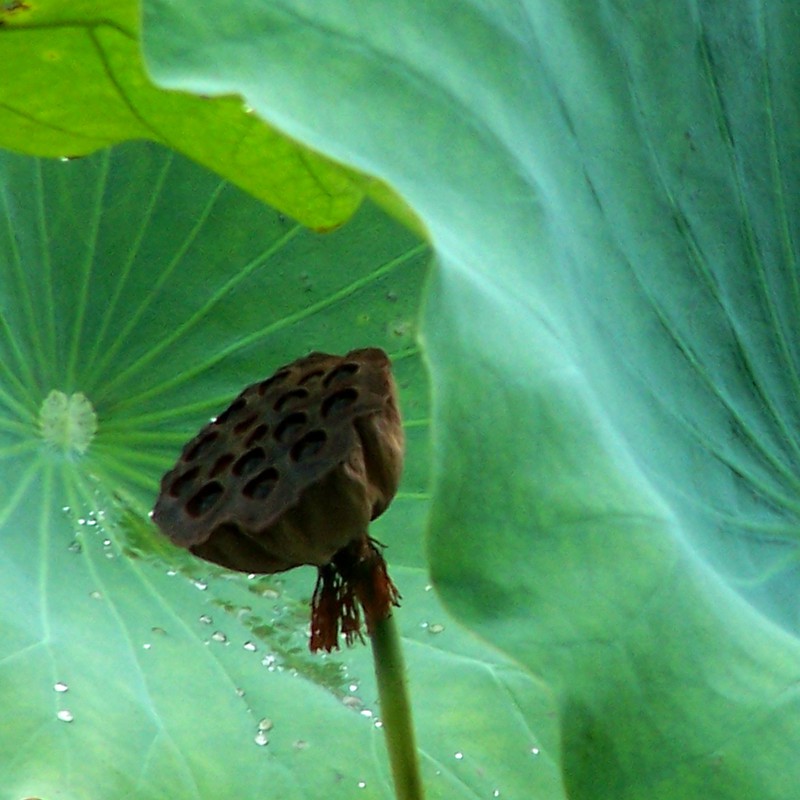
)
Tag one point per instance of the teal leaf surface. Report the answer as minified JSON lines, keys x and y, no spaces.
{"x":611,"y":192}
{"x":138,"y":294}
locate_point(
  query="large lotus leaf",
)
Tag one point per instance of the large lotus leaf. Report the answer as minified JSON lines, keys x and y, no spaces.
{"x":138,"y":294}
{"x":611,"y":189}
{"x":74,"y":82}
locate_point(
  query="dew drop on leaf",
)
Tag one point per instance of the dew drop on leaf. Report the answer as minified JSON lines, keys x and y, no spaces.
{"x":65,"y":715}
{"x":60,"y":687}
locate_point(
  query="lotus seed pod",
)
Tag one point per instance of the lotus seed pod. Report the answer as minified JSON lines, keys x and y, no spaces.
{"x":291,"y":473}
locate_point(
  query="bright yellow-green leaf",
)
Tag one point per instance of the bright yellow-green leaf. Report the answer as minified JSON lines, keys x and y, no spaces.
{"x":74,"y":82}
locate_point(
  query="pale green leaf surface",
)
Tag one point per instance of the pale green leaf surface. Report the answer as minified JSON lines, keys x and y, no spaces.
{"x":611,"y":189}
{"x":75,"y":83}
{"x":158,"y":291}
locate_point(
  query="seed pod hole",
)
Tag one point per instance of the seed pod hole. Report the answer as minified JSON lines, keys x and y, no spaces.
{"x":340,"y":373}
{"x":245,"y":424}
{"x":289,"y":398}
{"x":205,"y":499}
{"x":308,"y":446}
{"x":202,"y":448}
{"x":257,"y":435}
{"x":339,"y":401}
{"x":311,"y":377}
{"x":261,"y":485}
{"x":233,"y":409}
{"x":181,"y":485}
{"x":250,"y":462}
{"x":277,"y":378}
{"x":221,"y":464}
{"x":290,"y":427}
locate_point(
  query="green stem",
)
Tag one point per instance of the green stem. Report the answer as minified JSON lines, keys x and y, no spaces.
{"x":396,"y":709}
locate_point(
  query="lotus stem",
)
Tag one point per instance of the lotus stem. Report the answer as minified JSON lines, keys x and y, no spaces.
{"x":396,"y":709}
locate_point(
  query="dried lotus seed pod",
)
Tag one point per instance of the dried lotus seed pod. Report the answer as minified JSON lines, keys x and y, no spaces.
{"x":291,"y":473}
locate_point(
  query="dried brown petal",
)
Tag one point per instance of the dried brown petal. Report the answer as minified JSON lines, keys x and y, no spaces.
{"x":291,"y":473}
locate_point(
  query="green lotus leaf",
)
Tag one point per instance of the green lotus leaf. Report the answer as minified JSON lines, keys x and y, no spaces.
{"x":75,"y":83}
{"x":140,"y":293}
{"x":610,"y":327}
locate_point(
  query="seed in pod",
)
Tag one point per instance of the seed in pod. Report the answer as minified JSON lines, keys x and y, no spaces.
{"x":292,"y":473}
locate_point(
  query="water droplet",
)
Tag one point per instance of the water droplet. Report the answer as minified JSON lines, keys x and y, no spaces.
{"x":219,"y":636}
{"x":95,"y":595}
{"x":247,"y":109}
{"x":159,"y":631}
{"x":362,"y":784}
{"x":352,"y":702}
{"x":106,"y":542}
{"x":250,"y":647}
{"x":428,"y":587}
{"x":65,"y":509}
{"x":378,"y":723}
{"x":171,"y":572}
{"x":60,"y":687}
{"x":265,"y":724}
{"x":269,"y":661}
{"x":201,"y":585}
{"x":435,"y":628}
{"x":65,"y":715}
{"x":270,"y":594}
{"x":534,"y":751}
{"x":496,"y":793}
{"x":459,"y":755}
{"x":300,"y":744}
{"x":353,"y":687}
{"x":261,"y":739}
{"x":75,"y":546}
{"x":365,"y":712}
{"x":240,"y":692}
{"x":146,"y":646}
{"x":206,"y":619}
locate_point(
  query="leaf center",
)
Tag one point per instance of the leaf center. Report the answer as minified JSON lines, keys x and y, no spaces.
{"x":68,"y":422}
